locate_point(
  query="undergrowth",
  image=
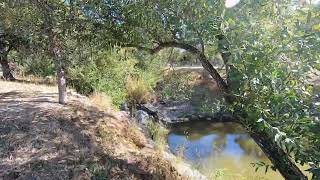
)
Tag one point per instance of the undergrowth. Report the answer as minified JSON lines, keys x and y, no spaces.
{"x":158,"y":134}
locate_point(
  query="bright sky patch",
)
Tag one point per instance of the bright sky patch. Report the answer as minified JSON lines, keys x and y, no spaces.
{"x":231,"y":3}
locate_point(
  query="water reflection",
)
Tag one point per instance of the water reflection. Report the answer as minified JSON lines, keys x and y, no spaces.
{"x":201,"y":140}
{"x":210,"y":146}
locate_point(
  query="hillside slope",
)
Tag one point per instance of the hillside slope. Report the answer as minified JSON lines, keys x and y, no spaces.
{"x":41,"y":139}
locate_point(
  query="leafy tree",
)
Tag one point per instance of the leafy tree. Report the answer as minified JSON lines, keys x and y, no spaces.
{"x":12,"y":34}
{"x":269,"y":50}
{"x":259,"y":43}
{"x":51,"y":27}
{"x":7,"y":42}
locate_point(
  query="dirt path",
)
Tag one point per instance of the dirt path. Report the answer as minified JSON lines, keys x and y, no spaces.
{"x":41,"y":139}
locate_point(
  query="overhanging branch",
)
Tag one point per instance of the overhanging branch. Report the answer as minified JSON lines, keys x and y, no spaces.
{"x":137,"y":47}
{"x":203,"y":59}
{"x":174,"y":44}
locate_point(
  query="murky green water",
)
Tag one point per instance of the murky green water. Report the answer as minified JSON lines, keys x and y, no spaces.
{"x":219,"y":150}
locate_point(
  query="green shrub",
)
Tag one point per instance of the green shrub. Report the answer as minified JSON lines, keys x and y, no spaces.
{"x":158,"y":134}
{"x":106,"y":72}
{"x":175,"y":86}
{"x":36,"y":64}
{"x":109,"y":71}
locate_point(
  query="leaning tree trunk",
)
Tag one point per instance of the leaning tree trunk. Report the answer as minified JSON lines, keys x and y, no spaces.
{"x":6,"y":71}
{"x":276,"y":154}
{"x":279,"y":158}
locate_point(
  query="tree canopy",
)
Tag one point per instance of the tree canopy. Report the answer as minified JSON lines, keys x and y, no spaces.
{"x":270,"y":51}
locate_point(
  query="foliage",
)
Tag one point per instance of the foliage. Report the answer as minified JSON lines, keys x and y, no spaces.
{"x":105,"y":72}
{"x":158,"y":134}
{"x":215,"y":105}
{"x":120,"y":73}
{"x":272,"y":47}
{"x":36,"y":64}
{"x":274,"y":63}
{"x":175,"y":86}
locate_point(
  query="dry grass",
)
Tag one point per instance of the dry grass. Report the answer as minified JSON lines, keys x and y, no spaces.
{"x":41,"y":139}
{"x":135,"y":136}
{"x":102,"y":101}
{"x":138,"y":91}
{"x":49,"y":80}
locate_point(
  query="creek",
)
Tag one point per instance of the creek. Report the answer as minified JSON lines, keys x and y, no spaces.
{"x":219,"y":150}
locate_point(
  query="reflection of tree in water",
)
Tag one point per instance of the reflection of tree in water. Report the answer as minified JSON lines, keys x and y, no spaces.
{"x":195,"y":131}
{"x":249,"y":146}
{"x":220,"y":143}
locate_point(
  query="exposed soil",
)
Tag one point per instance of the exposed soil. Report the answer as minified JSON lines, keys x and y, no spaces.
{"x":41,"y":139}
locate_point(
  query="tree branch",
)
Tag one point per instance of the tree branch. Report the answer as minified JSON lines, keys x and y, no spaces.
{"x":129,"y":45}
{"x":203,"y":59}
{"x":223,"y":86}
{"x":174,"y":44}
{"x":201,"y":41}
{"x":225,"y":54}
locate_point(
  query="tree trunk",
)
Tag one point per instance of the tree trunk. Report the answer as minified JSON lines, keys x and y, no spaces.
{"x":59,"y":58}
{"x":4,"y":51}
{"x":62,"y":88}
{"x":223,"y":86}
{"x":55,"y":48}
{"x":278,"y":156}
{"x":223,"y":47}
{"x":6,"y":71}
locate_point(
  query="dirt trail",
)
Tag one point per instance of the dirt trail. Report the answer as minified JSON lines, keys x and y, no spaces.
{"x":41,"y":139}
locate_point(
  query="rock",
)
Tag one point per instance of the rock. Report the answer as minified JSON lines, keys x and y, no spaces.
{"x":124,"y":107}
{"x":12,"y":175}
{"x":178,"y":112}
{"x":142,"y":117}
{"x":81,"y":173}
{"x":151,"y":107}
{"x":151,"y":110}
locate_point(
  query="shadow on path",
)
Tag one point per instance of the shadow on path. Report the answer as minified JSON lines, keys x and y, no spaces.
{"x":41,"y":139}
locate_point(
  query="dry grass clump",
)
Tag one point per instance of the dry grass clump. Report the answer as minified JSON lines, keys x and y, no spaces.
{"x":161,"y":169}
{"x":150,"y":163}
{"x":138,"y":91}
{"x":48,"y":80}
{"x":102,"y":101}
{"x":125,"y":133}
{"x":135,"y":135}
{"x":108,"y":134}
